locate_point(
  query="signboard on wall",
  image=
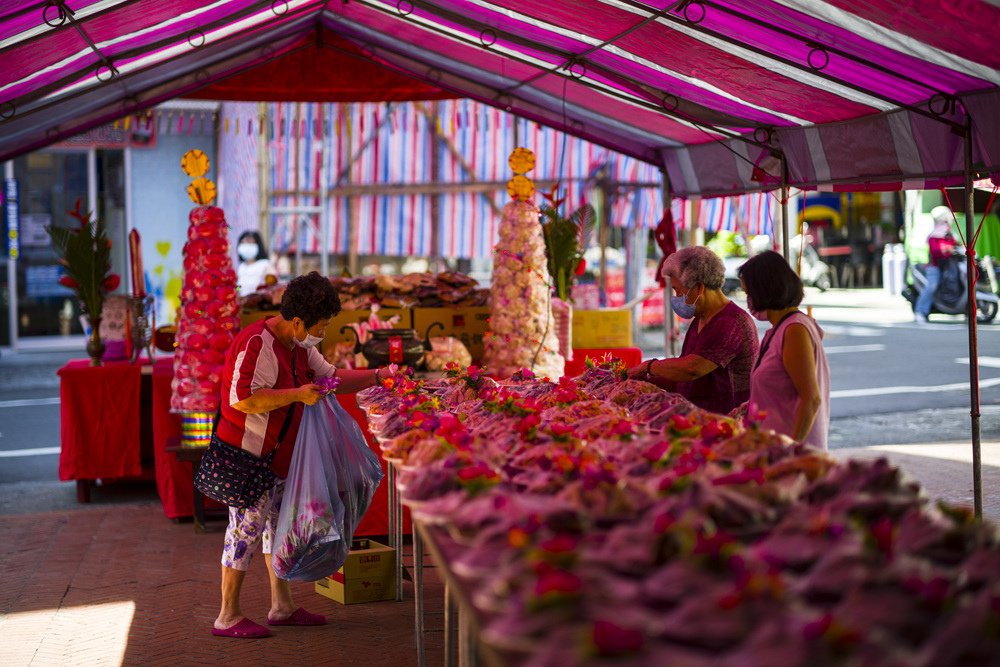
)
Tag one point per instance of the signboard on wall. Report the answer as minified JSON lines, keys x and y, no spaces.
{"x":12,"y":217}
{"x":137,"y":133}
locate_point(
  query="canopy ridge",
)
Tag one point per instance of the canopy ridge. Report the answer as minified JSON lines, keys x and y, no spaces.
{"x":195,"y":39}
{"x":808,"y":66}
{"x":655,"y":101}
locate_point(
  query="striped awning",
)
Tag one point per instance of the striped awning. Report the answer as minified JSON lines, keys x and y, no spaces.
{"x":726,"y":95}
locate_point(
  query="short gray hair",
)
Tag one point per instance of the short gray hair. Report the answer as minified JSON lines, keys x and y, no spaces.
{"x":697,"y":265}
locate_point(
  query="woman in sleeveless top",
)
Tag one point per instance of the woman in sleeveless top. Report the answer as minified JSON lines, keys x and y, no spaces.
{"x":790,"y":382}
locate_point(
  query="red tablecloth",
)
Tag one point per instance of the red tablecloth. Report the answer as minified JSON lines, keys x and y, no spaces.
{"x":631,"y":356}
{"x":99,"y":420}
{"x":174,"y":478}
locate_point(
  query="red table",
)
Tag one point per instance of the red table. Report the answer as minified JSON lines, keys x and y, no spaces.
{"x":101,"y":422}
{"x":631,"y":356}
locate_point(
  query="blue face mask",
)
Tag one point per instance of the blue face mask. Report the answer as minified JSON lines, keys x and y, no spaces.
{"x":682,"y":307}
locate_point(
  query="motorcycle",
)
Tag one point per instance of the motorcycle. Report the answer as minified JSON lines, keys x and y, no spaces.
{"x":952,"y":296}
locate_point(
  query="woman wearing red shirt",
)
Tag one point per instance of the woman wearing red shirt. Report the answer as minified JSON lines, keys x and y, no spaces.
{"x":270,"y":368}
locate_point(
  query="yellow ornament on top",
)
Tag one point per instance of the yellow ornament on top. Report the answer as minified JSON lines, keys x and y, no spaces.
{"x":521,"y":187}
{"x":195,"y":163}
{"x":521,"y":161}
{"x":201,"y":191}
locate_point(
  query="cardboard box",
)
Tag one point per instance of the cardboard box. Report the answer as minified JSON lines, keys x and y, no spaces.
{"x":607,"y":327}
{"x":369,"y":575}
{"x":467,"y":323}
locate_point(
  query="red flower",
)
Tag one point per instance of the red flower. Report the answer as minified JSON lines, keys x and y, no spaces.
{"x":67,"y":281}
{"x":559,"y":544}
{"x":558,"y":581}
{"x":612,"y":639}
{"x":111,"y":283}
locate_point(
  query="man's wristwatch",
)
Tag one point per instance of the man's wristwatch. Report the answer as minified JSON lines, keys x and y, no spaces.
{"x":649,"y":368}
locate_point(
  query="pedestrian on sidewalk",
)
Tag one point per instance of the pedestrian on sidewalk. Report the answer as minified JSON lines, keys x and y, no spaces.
{"x":270,"y":368}
{"x":790,"y":382}
{"x":941,"y":245}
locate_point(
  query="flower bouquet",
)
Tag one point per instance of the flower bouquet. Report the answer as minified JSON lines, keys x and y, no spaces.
{"x":85,"y":255}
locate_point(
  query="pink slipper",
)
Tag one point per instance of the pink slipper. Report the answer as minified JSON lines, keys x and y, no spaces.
{"x":245,"y":629}
{"x":299,"y":617}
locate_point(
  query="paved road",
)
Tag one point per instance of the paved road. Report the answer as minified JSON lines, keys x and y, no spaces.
{"x":892,"y":382}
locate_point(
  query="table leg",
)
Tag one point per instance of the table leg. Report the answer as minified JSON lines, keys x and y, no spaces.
{"x":418,"y":595}
{"x":83,"y":490}
{"x":468,"y":656}
{"x":398,"y":528}
{"x":391,"y":528}
{"x":450,"y":629}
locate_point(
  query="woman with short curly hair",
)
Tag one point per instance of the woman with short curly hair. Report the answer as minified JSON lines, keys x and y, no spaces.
{"x":720,"y":346}
{"x":271,"y":368}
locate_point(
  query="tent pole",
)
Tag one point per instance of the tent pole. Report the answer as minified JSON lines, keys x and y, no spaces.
{"x":668,"y":310}
{"x":784,"y":207}
{"x":324,"y":195}
{"x":970,"y":259}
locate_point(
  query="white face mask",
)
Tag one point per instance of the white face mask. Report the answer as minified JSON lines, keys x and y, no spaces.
{"x":310,"y":341}
{"x":247,"y":251}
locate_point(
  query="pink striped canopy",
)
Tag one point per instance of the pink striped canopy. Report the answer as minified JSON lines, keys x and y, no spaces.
{"x":725,"y":95}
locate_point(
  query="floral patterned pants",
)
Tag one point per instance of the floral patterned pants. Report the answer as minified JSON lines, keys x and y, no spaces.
{"x":250,"y":525}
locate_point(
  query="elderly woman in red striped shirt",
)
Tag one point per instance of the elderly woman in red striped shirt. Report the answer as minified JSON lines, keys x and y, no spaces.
{"x":271,"y":367}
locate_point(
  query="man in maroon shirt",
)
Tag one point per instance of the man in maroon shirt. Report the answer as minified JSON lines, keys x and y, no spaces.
{"x":720,"y":346}
{"x":270,"y":368}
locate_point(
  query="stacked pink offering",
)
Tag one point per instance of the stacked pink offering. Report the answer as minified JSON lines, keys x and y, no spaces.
{"x":208,"y":317}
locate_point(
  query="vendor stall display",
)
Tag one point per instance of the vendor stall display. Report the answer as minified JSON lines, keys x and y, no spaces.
{"x":411,"y":290}
{"x":208,"y":317}
{"x":602,"y":518}
{"x":522,"y":328}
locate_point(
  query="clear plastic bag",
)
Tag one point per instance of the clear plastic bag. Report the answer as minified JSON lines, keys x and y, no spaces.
{"x":331,"y":481}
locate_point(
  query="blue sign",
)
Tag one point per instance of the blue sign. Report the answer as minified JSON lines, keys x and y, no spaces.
{"x":12,"y":216}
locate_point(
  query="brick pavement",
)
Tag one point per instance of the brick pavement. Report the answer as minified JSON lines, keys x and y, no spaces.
{"x":123,"y":585}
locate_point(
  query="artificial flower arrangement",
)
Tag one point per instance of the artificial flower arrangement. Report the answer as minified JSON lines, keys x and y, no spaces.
{"x":705,"y":540}
{"x":84,"y":251}
{"x":566,"y":240}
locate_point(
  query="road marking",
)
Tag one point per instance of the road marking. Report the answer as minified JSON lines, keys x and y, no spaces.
{"x":841,"y":349}
{"x":852,"y":330}
{"x":881,"y":391}
{"x":988,"y":362}
{"x":28,"y":402}
{"x":38,"y":451}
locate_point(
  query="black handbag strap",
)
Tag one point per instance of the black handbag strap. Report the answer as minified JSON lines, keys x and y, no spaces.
{"x":284,"y":426}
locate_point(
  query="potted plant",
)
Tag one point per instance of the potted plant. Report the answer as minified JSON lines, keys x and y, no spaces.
{"x":85,"y":253}
{"x":566,"y":239}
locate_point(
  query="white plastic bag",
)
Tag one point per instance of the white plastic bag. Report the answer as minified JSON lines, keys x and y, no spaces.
{"x":331,"y":481}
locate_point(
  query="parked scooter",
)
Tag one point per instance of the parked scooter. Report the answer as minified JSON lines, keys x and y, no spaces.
{"x":814,"y":271}
{"x":952,"y":296}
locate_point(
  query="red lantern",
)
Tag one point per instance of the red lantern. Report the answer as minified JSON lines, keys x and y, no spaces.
{"x":581,"y":267}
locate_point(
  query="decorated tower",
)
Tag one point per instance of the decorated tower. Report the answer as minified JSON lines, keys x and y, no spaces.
{"x":522,"y":330}
{"x":208,"y":317}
